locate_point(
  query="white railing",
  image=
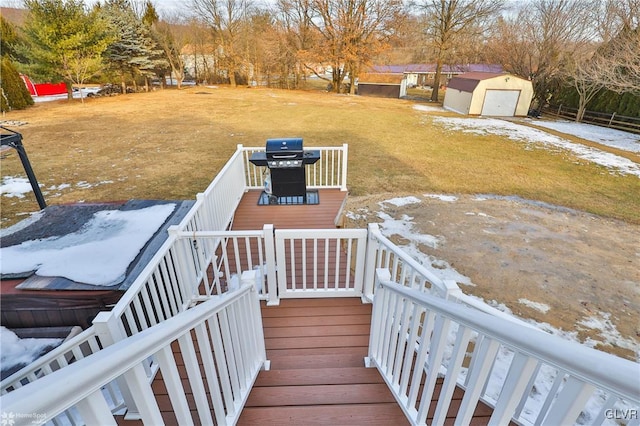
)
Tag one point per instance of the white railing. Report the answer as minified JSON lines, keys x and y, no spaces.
{"x":407,"y":271}
{"x":524,"y":374}
{"x":329,"y":172}
{"x":320,"y":262}
{"x":225,"y":333}
{"x":239,"y":256}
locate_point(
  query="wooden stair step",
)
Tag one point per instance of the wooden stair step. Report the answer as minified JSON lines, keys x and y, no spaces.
{"x":336,"y":301}
{"x":316,"y":311}
{"x":366,"y":393}
{"x":361,"y":351}
{"x":334,"y":415}
{"x":321,"y":330}
{"x":314,"y":342}
{"x":286,"y":362}
{"x":318,"y":376}
{"x":304,"y":321}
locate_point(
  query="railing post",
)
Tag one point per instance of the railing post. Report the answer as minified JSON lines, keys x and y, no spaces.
{"x":451,"y":290}
{"x":108,"y":332}
{"x":370,"y":361}
{"x":185,"y":273}
{"x":370,"y":263}
{"x":345,"y":155}
{"x":270,"y":258}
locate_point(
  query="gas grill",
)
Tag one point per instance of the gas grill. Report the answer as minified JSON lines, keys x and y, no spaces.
{"x":286,"y":160}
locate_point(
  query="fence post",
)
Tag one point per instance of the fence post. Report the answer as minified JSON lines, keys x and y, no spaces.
{"x":345,"y":151}
{"x":559,"y":109}
{"x":270,"y":258}
{"x":611,"y":120}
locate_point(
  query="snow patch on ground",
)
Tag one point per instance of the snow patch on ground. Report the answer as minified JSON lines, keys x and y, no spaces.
{"x":428,"y":108}
{"x":521,"y":133}
{"x":15,"y":187}
{"x":541,"y":307}
{"x":442,"y":197}
{"x":608,"y":332}
{"x":602,"y":135}
{"x":402,"y":201}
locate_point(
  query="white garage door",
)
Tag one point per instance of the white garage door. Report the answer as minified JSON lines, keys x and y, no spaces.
{"x":500,"y":103}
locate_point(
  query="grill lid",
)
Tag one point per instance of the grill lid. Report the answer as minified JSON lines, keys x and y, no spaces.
{"x":284,"y":148}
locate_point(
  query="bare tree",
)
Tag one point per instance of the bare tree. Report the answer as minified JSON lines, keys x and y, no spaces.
{"x":585,"y":73}
{"x":510,"y":46}
{"x":352,"y":32}
{"x":172,"y":40}
{"x":448,"y":21}
{"x":557,"y":28}
{"x":621,"y":70}
{"x":226,"y":19}
{"x":298,"y":38}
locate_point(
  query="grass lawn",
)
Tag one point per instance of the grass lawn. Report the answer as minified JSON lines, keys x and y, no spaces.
{"x":170,"y":144}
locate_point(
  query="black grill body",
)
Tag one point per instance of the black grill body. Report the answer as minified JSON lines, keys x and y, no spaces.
{"x":286,"y":158}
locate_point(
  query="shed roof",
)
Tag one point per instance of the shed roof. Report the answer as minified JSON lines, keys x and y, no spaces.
{"x":467,"y":82}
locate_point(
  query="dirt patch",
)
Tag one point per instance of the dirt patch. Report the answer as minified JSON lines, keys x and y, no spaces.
{"x":575,"y":271}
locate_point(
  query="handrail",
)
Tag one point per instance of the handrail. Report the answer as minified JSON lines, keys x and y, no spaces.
{"x":239,"y":355}
{"x":409,"y":326}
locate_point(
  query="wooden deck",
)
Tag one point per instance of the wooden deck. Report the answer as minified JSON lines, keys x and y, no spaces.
{"x":325,"y":215}
{"x":316,"y":347}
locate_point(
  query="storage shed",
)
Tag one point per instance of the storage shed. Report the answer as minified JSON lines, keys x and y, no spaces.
{"x":493,"y":94}
{"x":382,"y":85}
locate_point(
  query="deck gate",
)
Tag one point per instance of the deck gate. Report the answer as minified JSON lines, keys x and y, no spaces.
{"x":320,"y":262}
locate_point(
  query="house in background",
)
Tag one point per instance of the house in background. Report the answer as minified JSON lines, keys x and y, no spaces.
{"x":493,"y":94}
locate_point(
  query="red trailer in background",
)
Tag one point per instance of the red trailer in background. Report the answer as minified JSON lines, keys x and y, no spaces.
{"x":44,"y":89}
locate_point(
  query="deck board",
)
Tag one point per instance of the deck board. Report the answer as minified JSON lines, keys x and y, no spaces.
{"x":325,"y":215}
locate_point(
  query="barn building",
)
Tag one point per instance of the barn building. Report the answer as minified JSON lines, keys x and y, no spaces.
{"x":492,"y":94}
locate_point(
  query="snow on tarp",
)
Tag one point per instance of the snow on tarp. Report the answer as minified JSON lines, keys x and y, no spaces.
{"x":19,"y":352}
{"x":98,"y":253}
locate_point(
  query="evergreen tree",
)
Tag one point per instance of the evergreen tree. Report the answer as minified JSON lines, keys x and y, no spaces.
{"x":64,"y":42}
{"x":133,"y":51}
{"x":14,"y":92}
{"x":8,"y":38}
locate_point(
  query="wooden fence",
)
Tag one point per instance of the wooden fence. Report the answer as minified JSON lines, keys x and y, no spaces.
{"x":612,"y":120}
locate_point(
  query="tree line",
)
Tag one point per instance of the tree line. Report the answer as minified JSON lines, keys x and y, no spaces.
{"x":589,"y":47}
